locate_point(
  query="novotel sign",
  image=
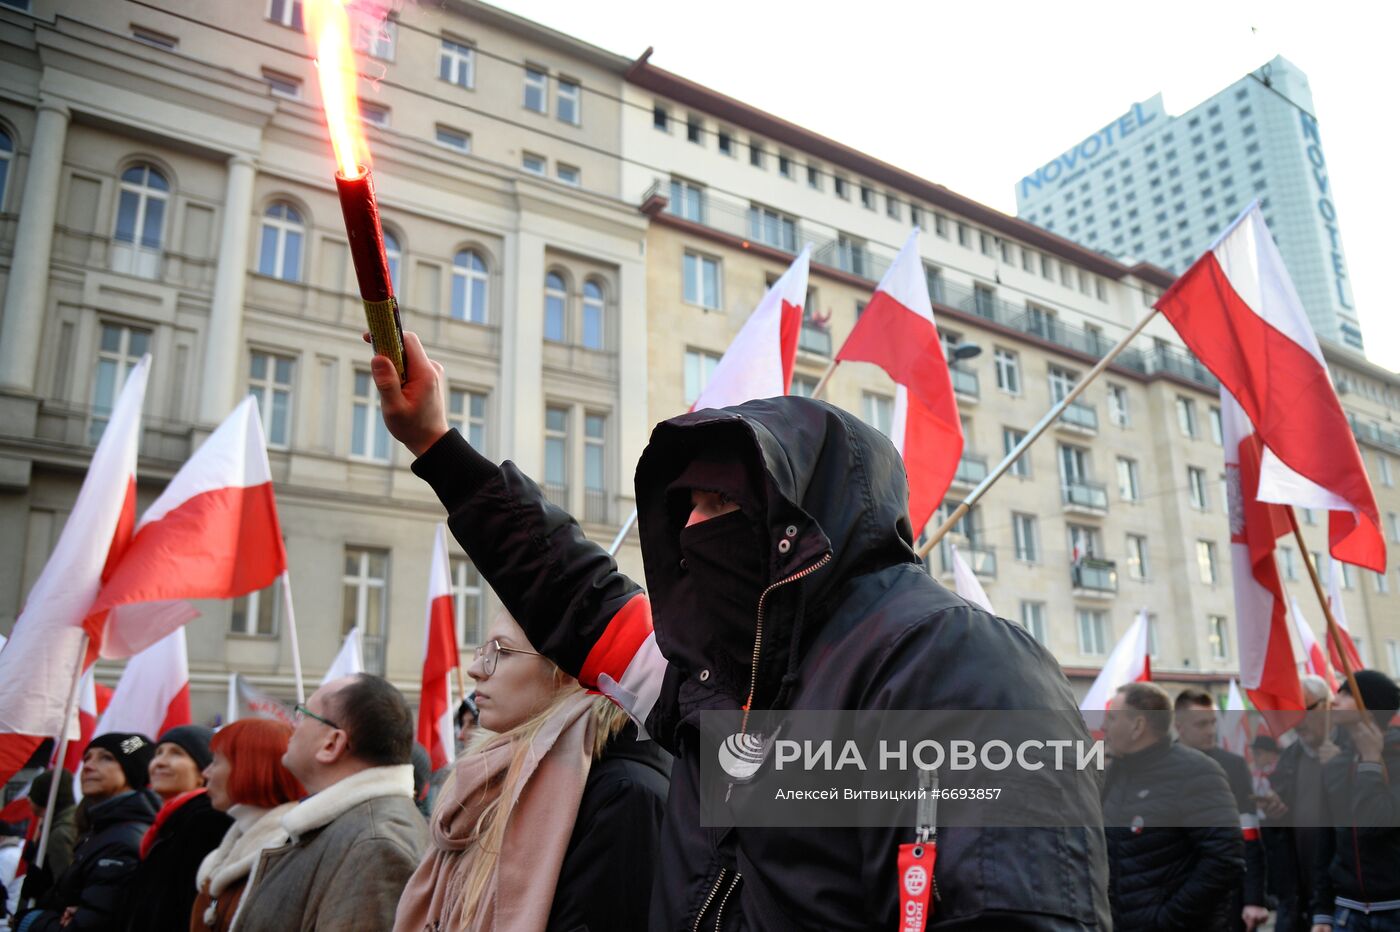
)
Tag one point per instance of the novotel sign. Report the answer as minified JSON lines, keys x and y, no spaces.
{"x":1071,"y":162}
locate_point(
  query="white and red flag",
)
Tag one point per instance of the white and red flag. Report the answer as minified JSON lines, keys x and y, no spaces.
{"x":1267,"y":668}
{"x":212,"y":534}
{"x":1339,"y":615}
{"x":965,"y":582}
{"x":88,"y":713}
{"x":1315,"y":660}
{"x":41,"y":659}
{"x":349,"y":661}
{"x":1238,"y":311}
{"x":1129,"y":662}
{"x":153,"y":694}
{"x":758,"y":363}
{"x":440,"y":659}
{"x":897,"y":333}
{"x":1234,"y":731}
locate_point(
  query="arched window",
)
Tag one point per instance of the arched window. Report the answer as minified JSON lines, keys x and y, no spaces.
{"x":593,"y":307}
{"x":7,"y":152}
{"x":394,"y":254}
{"x":469,"y":286}
{"x":141,"y":207}
{"x":279,"y":255}
{"x":556,"y":302}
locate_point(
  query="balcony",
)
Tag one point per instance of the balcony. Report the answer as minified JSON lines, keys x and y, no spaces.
{"x":1084,"y":498}
{"x":557,"y":494}
{"x":966,"y":385}
{"x":972,"y":469}
{"x":982,"y":560}
{"x":1093,"y":578}
{"x":1079,"y":418}
{"x":814,"y":339}
{"x":595,"y":506}
{"x":1376,"y":435}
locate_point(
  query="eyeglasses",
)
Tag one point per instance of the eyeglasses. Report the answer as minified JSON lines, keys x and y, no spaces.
{"x":490,"y":652}
{"x":302,"y":711}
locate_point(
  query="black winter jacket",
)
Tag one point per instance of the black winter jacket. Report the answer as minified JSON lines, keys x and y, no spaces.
{"x":1174,"y":845}
{"x":1251,"y":891}
{"x":103,"y":861}
{"x":616,"y":835}
{"x":852,"y":621}
{"x":162,"y":891}
{"x":1364,"y":802}
{"x":1294,"y":850}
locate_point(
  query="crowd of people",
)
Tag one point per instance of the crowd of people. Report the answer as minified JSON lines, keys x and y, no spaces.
{"x":781,"y":575}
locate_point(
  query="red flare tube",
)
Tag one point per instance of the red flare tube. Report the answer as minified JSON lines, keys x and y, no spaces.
{"x":361,"y":213}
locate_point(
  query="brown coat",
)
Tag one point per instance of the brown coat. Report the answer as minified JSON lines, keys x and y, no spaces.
{"x":224,"y":907}
{"x":223,"y":876}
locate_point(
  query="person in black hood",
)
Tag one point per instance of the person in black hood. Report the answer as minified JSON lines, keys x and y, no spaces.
{"x":779,"y":559}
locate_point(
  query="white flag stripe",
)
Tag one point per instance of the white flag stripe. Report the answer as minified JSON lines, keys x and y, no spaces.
{"x":233,"y":456}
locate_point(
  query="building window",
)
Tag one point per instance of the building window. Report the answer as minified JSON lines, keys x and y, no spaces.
{"x":369,"y":438}
{"x":1137,"y":556}
{"x":878,"y":411}
{"x":556,"y":454}
{"x":285,"y":13}
{"x":393,"y":255}
{"x":1010,"y":437}
{"x":366,"y":589}
{"x":1129,"y":489}
{"x":466,"y":413}
{"x":568,"y":102}
{"x":374,"y":115}
{"x":1290,"y":563}
{"x":556,"y":299}
{"x":1382,"y":583}
{"x":376,"y":39}
{"x":773,"y":228}
{"x":1033,"y":619}
{"x":1392,"y":653}
{"x":258,"y":612}
{"x":595,"y":491}
{"x":594,"y":307}
{"x":1383,"y":465}
{"x":536,"y":90}
{"x":1093,"y":631}
{"x":699,"y":366}
{"x":1047,"y":267}
{"x":270,"y":382}
{"x":964,"y":236}
{"x":282,"y":85}
{"x":1205,"y":561}
{"x":1217,"y":632}
{"x":568,"y":174}
{"x":784,"y":166}
{"x":454,"y":139}
{"x":814,"y":178}
{"x":1008,"y":367}
{"x":695,"y":129}
{"x":660,"y":119}
{"x":457,"y":64}
{"x":279,"y":255}
{"x":1118,"y":410}
{"x":534,"y":164}
{"x":891,"y":207}
{"x":687,"y":200}
{"x":702,"y":282}
{"x":140,"y":228}
{"x":468,"y":601}
{"x":470,"y":282}
{"x":839,"y":186}
{"x":1061,"y":383}
{"x":1394,"y":520}
{"x":933,"y":278}
{"x":867,"y":197}
{"x":1216,"y":430}
{"x":803,"y":386}
{"x":119,"y":349}
{"x":755,"y":153}
{"x":1026,"y":536}
{"x":1186,"y":416}
{"x":7,"y":154}
{"x":1196,"y":484}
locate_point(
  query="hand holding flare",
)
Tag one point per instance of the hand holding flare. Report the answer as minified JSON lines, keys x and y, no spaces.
{"x":328,"y":30}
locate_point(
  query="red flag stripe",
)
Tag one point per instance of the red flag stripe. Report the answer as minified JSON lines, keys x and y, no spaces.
{"x":789,"y":329}
{"x":623,"y":637}
{"x":178,"y":712}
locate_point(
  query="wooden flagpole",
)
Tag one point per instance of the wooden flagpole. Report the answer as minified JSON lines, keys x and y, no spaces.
{"x":1332,"y":634}
{"x":826,"y":377}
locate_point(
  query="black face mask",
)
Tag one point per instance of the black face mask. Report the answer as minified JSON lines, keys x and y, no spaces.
{"x":724,"y":570}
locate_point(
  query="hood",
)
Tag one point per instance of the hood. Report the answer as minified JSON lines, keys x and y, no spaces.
{"x":828,"y":484}
{"x":135,"y":806}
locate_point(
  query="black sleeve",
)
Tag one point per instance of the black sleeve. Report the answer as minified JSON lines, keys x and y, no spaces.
{"x":1216,"y":836}
{"x":1324,"y":898}
{"x":605,"y":881}
{"x":103,"y":894}
{"x":1255,"y":863}
{"x":562,"y":588}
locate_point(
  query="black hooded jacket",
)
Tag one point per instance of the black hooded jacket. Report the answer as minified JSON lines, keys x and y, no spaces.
{"x":851,"y":621}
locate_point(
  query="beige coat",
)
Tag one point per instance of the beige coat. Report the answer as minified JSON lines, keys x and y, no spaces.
{"x":353,"y":847}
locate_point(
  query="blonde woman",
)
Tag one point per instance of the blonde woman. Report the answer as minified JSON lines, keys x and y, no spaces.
{"x":551,"y":823}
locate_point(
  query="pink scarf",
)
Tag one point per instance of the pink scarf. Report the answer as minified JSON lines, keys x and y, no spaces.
{"x":542,"y":806}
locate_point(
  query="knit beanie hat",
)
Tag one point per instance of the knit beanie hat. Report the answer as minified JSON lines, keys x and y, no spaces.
{"x":1378,"y":691}
{"x":133,"y":752}
{"x":193,"y":740}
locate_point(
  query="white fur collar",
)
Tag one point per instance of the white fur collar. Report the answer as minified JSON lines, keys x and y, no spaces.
{"x":335,"y":800}
{"x":252,"y":831}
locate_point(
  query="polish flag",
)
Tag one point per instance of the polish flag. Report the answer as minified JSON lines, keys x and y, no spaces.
{"x":1339,"y":615}
{"x":153,"y":694}
{"x":1128,"y":663}
{"x":1267,"y":668}
{"x":212,"y":534}
{"x":1234,"y":731}
{"x":87,"y":721}
{"x":349,"y":661}
{"x":39,"y":664}
{"x":1316,"y":662}
{"x":966,"y":584}
{"x":440,"y":659}
{"x":1238,"y":311}
{"x":758,"y":364}
{"x":897,"y":332}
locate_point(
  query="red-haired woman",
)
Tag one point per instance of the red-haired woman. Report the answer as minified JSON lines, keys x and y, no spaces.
{"x":246,"y":780}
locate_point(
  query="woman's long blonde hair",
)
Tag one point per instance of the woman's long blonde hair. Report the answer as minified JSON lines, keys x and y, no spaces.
{"x":485,"y":851}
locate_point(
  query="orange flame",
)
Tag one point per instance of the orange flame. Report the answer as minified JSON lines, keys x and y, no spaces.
{"x":328,"y":31}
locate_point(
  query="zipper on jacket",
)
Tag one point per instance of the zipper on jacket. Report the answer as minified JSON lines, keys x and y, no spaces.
{"x":758,"y":632}
{"x":719,"y":915}
{"x":704,"y":907}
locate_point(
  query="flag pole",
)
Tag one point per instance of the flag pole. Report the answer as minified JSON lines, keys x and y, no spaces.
{"x":622,"y":533}
{"x":826,"y":377}
{"x":1041,"y":426}
{"x":292,"y":634}
{"x":61,"y":752}
{"x":1332,"y":633}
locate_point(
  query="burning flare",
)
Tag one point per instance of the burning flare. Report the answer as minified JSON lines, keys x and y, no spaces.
{"x":328,"y":30}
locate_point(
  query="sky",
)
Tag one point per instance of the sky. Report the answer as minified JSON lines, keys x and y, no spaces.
{"x":975,"y":95}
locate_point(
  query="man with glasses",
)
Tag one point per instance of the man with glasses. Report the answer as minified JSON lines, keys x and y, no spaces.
{"x":358,"y":836}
